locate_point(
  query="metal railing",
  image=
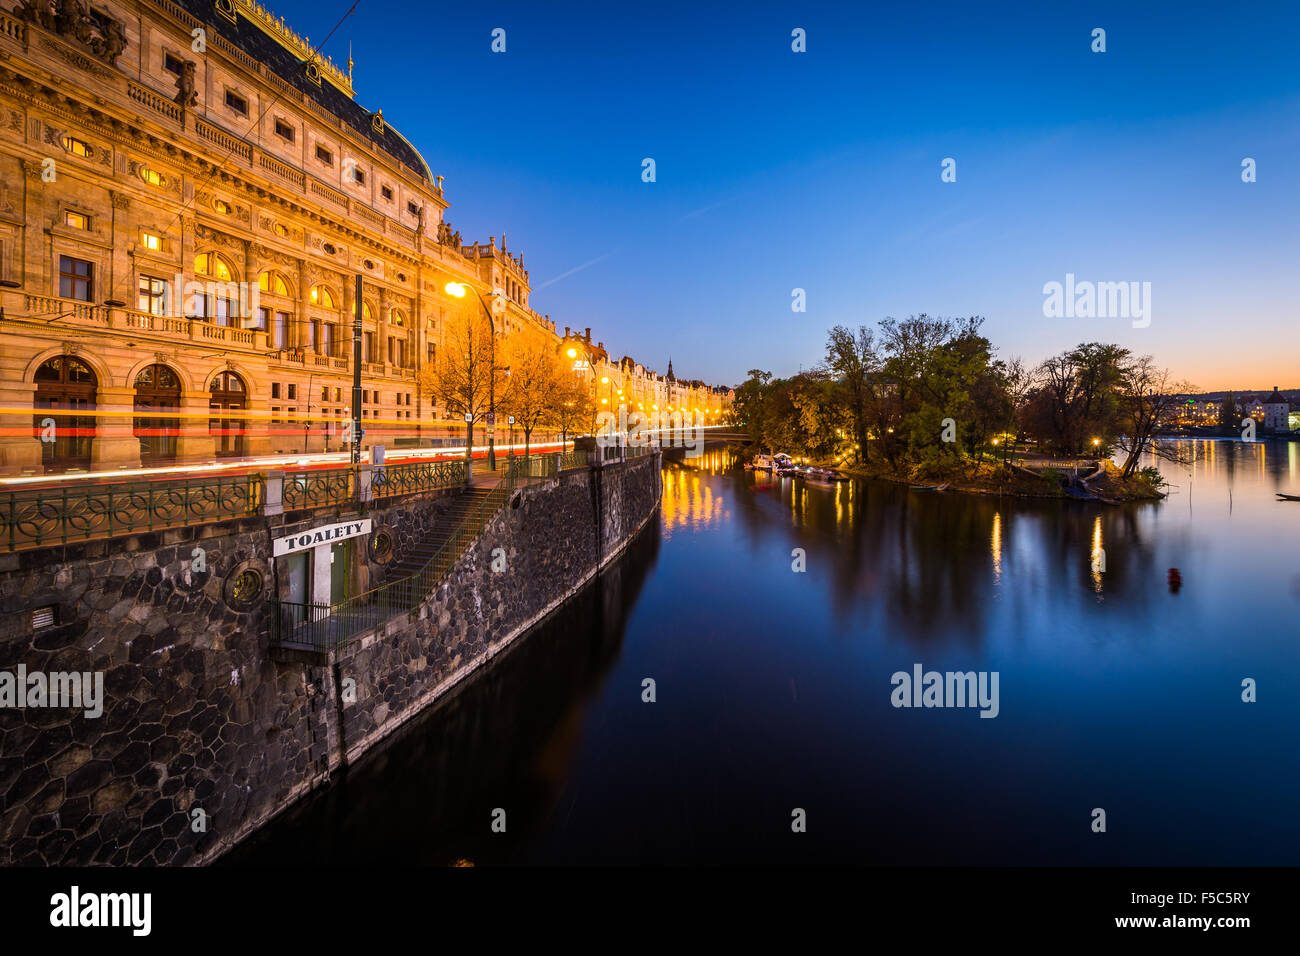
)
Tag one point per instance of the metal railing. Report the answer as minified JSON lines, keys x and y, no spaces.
{"x":318,"y":488}
{"x":574,"y":459}
{"x":321,"y":626}
{"x":84,"y":512}
{"x":392,"y":480}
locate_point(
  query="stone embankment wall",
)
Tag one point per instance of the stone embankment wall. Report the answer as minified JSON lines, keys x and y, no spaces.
{"x":205,"y":732}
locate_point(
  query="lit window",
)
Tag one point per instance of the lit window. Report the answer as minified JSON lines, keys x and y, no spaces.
{"x":76,"y":220}
{"x":321,"y":296}
{"x":153,"y":295}
{"x":151,"y":241}
{"x":221,"y":206}
{"x":211,"y":264}
{"x":152,"y":176}
{"x":77,"y":147}
{"x":272,"y":282}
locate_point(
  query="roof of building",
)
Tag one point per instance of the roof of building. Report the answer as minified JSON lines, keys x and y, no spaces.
{"x":1277,"y":398}
{"x":266,"y":39}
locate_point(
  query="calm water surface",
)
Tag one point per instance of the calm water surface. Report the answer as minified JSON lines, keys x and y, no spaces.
{"x":774,"y":689}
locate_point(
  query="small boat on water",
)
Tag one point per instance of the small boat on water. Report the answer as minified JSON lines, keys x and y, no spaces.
{"x":943,"y":487}
{"x":770,"y":462}
{"x":1282,"y":497}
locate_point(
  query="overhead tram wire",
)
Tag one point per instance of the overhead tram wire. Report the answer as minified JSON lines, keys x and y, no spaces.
{"x":256,"y":124}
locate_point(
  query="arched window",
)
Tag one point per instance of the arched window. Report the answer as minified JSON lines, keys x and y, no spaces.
{"x":227,"y":400}
{"x":65,"y":383}
{"x":157,"y":398}
{"x":215,"y":265}
{"x":366,"y":314}
{"x":320,"y":296}
{"x":273,"y":282}
{"x":399,"y":319}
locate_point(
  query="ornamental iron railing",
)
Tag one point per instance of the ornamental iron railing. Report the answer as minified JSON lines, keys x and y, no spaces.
{"x":75,"y":512}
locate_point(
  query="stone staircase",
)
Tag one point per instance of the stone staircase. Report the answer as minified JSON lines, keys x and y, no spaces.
{"x":464,"y":519}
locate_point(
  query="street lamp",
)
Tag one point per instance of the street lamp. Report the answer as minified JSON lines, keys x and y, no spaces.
{"x":457,"y":289}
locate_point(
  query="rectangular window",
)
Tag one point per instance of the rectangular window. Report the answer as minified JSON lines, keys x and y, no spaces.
{"x":153,"y":295}
{"x":236,"y":102}
{"x":325,"y":393}
{"x":76,"y":220}
{"x":76,"y":278}
{"x":432,"y":352}
{"x":293,"y":391}
{"x":391,"y":350}
{"x":413,"y":209}
{"x":275,"y":390}
{"x":386,"y":192}
{"x":173,"y":64}
{"x":338,"y":394}
{"x":279,"y":331}
{"x":275,"y":414}
{"x":284,"y":130}
{"x":263,"y":320}
{"x":76,"y":147}
{"x":324,"y":155}
{"x":367,"y":346}
{"x":358,"y":176}
{"x":151,"y":241}
{"x":313,"y":334}
{"x":327,"y":339}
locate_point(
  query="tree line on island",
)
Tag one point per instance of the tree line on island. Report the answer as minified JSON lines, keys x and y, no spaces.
{"x":926,"y":397}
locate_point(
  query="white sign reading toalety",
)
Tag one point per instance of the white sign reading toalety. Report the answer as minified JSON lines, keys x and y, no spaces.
{"x":318,"y":536}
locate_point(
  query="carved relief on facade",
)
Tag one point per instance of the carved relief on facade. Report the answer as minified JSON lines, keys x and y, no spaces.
{"x":100,"y":35}
{"x":203,"y":234}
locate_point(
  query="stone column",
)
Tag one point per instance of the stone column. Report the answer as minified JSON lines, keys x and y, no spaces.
{"x":19,"y":453}
{"x":114,"y":444}
{"x":194,"y":443}
{"x":298,"y":334}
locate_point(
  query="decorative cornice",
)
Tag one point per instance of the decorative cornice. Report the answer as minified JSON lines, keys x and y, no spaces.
{"x":282,"y":33}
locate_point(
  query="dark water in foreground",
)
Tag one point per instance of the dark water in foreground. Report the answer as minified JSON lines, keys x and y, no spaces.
{"x":774,"y":690}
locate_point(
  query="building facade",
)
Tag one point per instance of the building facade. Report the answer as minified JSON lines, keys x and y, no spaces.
{"x":187,"y":193}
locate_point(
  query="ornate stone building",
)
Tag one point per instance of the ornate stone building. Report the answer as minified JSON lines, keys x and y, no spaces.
{"x":186,"y":195}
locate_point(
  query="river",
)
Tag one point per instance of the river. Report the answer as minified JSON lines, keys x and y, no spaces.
{"x":1116,"y":690}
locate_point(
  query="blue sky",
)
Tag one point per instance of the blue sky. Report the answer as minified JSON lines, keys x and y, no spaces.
{"x":821,"y":170}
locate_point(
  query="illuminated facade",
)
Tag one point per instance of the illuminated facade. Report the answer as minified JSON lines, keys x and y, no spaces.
{"x":186,"y":195}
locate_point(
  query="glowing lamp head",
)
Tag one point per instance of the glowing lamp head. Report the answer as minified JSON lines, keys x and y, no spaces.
{"x":604,"y":380}
{"x":455,"y":288}
{"x":573,"y":353}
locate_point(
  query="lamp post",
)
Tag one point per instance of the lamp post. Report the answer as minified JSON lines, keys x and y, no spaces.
{"x":457,"y":289}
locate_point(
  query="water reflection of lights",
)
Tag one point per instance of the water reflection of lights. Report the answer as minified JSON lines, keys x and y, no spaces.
{"x":690,"y":502}
{"x":1098,"y":563}
{"x":995,"y":547}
